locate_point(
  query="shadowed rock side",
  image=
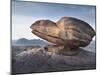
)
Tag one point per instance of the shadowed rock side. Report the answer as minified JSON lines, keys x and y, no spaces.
{"x":39,"y":60}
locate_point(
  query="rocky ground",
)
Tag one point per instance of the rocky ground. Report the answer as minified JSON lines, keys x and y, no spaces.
{"x":36,"y":60}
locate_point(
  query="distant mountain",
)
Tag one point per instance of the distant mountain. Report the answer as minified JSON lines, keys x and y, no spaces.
{"x":37,"y":42}
{"x":24,"y":41}
{"x":91,"y":47}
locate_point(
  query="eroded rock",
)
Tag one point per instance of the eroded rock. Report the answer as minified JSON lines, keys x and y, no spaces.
{"x":75,"y":32}
{"x":70,"y":32}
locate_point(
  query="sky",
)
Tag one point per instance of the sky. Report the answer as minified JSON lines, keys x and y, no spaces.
{"x":26,"y":13}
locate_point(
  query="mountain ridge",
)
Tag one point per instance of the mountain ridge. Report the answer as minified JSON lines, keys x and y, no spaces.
{"x":24,"y":41}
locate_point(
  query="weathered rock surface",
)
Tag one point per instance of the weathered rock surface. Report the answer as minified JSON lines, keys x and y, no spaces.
{"x":70,"y":32}
{"x":39,"y":60}
{"x":75,"y":32}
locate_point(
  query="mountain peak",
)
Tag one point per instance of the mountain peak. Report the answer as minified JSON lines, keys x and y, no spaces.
{"x":24,"y":41}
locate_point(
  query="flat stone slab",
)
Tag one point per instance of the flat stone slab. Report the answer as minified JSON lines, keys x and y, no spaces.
{"x":37,"y":60}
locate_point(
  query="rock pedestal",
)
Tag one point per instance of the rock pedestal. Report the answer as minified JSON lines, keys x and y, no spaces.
{"x":36,"y":61}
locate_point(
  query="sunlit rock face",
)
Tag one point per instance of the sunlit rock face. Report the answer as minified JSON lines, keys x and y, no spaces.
{"x":47,"y":30}
{"x":70,"y":32}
